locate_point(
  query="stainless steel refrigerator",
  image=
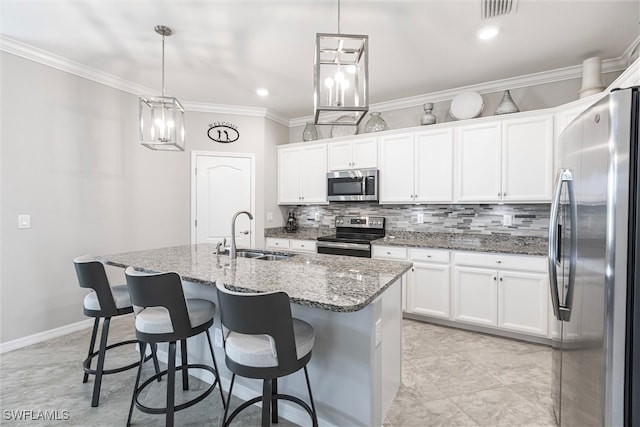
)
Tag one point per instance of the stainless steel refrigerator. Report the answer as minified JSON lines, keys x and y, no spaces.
{"x":594,"y":266}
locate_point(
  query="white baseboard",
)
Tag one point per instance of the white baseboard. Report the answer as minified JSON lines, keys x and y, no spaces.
{"x":44,"y":336}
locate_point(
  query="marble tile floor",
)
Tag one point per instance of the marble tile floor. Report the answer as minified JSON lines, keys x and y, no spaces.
{"x":450,"y":378}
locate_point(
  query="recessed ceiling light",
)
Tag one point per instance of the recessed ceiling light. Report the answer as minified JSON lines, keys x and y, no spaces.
{"x":262,"y":91}
{"x":487,"y":33}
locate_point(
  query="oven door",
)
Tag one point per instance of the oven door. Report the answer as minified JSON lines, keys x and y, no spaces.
{"x":344,"y":248}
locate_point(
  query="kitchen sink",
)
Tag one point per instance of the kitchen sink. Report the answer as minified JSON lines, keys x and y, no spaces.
{"x":261,"y":255}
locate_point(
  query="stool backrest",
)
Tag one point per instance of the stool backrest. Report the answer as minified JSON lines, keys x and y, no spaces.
{"x":260,"y":313}
{"x":159,"y":290}
{"x":91,"y":275}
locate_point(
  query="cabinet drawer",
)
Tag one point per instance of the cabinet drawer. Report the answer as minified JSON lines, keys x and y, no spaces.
{"x":502,"y":261}
{"x":303,"y":245}
{"x":273,"y":242}
{"x":428,"y":255}
{"x":389,"y":252}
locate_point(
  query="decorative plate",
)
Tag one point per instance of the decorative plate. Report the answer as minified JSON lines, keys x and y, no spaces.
{"x":343,"y":130}
{"x":466,"y":105}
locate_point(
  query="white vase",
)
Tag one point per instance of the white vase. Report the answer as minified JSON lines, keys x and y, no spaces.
{"x":591,"y":77}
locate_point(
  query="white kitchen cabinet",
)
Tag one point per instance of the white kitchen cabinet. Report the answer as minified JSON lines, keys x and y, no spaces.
{"x":298,"y":245}
{"x":510,"y":292}
{"x":357,"y":154}
{"x":394,"y":253}
{"x":302,"y":175}
{"x":416,"y":167}
{"x":510,"y":160}
{"x":475,"y":295}
{"x":523,"y":302}
{"x":527,"y":159}
{"x":428,"y":290}
{"x":277,"y":243}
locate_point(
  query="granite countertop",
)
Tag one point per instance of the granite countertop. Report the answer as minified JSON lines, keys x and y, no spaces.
{"x":329,"y":282}
{"x":500,"y":243}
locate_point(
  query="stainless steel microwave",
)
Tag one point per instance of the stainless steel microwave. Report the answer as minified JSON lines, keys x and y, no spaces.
{"x":352,"y":185}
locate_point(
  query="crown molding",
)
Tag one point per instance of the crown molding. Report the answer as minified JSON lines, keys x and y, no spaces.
{"x":40,"y":56}
{"x":551,"y":76}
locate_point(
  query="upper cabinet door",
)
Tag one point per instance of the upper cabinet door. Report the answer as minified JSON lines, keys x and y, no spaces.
{"x":365,"y":153}
{"x":434,"y":166}
{"x":314,"y":174}
{"x":340,"y":155}
{"x":479,"y":163}
{"x":289,"y":171}
{"x":396,"y":168}
{"x":527,"y":162}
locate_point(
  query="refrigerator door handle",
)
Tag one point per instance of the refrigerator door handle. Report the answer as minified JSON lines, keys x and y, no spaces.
{"x":564,"y":176}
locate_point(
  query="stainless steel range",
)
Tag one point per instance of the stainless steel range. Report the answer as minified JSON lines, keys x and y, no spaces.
{"x":353,"y":237}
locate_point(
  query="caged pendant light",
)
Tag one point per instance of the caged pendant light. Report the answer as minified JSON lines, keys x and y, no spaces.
{"x":340,"y":78}
{"x":161,"y":117}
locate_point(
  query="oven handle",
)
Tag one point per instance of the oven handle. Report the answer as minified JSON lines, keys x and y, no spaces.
{"x":340,"y":245}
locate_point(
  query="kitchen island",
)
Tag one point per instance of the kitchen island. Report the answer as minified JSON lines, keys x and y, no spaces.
{"x":354,"y":305}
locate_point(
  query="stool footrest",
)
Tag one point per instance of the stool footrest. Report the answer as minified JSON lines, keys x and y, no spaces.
{"x":158,"y":376}
{"x":86,"y":365}
{"x":258,"y":399}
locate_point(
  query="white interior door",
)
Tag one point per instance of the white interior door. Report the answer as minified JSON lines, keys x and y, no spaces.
{"x":223,"y":186}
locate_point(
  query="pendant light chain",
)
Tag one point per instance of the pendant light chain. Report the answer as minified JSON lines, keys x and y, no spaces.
{"x":163,"y":65}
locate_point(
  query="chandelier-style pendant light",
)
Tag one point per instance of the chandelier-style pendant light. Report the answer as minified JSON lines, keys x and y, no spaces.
{"x":161,"y":117}
{"x":340,"y":78}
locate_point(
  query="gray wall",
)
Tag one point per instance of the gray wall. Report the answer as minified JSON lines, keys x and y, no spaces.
{"x":69,"y":158}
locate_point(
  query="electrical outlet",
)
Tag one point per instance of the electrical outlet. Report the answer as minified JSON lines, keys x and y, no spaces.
{"x":269,"y":216}
{"x":378,"y":332}
{"x":217,"y":337}
{"x":506,"y":220}
{"x":317,"y":216}
{"x":24,"y":221}
{"x":420,"y":218}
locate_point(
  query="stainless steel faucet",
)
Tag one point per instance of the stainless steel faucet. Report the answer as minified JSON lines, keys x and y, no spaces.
{"x":232,"y":251}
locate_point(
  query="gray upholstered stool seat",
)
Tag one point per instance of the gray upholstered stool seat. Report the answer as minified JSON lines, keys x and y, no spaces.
{"x":120,"y":297}
{"x":260,"y":350}
{"x":104,"y":302}
{"x":164,"y":315}
{"x":261,"y":340}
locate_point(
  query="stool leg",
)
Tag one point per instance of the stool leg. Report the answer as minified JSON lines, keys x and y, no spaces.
{"x":92,"y":345}
{"x":100,"y":367}
{"x":143,"y":349}
{"x":185,"y":362}
{"x":274,"y":401}
{"x":266,"y":402}
{"x":226,"y":410}
{"x":171,"y":383}
{"x":154,"y":356}
{"x":313,"y":407}
{"x":215,"y":366}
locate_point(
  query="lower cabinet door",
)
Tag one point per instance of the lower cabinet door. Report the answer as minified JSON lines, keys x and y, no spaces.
{"x":475,"y":295}
{"x":428,"y":290}
{"x":523,"y":302}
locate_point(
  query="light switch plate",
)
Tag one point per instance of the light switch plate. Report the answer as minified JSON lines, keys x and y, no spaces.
{"x":507,"y":220}
{"x":24,"y":221}
{"x":269,"y":216}
{"x":420,"y":219}
{"x":317,"y":216}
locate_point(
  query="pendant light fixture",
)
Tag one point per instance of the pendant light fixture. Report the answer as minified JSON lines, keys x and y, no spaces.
{"x":340,"y":78}
{"x":161,"y":117}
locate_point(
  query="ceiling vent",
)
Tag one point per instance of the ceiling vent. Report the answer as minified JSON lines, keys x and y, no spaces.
{"x":493,"y":8}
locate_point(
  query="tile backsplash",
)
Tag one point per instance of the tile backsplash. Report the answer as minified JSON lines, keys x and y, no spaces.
{"x":526,"y":219}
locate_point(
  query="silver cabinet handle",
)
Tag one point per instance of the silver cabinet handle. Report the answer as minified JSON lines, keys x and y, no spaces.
{"x":495,"y":278}
{"x":498,"y":194}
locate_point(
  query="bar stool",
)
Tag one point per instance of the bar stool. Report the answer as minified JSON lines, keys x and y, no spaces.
{"x":104,"y":302}
{"x":164,"y":315}
{"x":262,"y":341}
